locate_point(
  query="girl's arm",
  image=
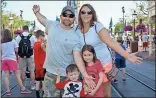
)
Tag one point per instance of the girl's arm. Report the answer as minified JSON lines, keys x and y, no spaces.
{"x":101,"y":75}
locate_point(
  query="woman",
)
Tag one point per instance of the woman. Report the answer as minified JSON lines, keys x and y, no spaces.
{"x":93,"y":33}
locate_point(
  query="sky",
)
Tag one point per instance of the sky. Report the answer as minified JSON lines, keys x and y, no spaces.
{"x":104,"y":9}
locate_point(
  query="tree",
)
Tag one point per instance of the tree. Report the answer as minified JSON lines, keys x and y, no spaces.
{"x":118,"y":28}
{"x":18,"y":23}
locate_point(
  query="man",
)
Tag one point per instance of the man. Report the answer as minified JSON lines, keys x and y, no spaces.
{"x":145,"y":41}
{"x":63,"y":48}
{"x":26,"y":62}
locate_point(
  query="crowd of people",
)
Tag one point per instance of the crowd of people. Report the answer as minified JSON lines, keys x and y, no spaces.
{"x":72,"y":62}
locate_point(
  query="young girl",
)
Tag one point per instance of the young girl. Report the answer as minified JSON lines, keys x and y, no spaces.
{"x":95,"y":69}
{"x":39,"y":57}
{"x":9,"y":61}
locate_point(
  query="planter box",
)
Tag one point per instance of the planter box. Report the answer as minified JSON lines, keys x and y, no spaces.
{"x":134,"y":46}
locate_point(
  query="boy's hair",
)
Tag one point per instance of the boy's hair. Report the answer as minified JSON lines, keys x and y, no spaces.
{"x":71,"y":68}
{"x":6,"y":36}
{"x":91,"y":49}
{"x":119,"y":40}
{"x":39,"y":33}
{"x":25,"y":28}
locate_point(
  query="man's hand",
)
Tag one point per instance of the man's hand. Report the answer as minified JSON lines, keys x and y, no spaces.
{"x":36,"y":8}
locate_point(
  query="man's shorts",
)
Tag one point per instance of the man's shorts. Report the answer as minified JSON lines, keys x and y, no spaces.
{"x":49,"y":86}
{"x":145,"y":44}
{"x":25,"y":63}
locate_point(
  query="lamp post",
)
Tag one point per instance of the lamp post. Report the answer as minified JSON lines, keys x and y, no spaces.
{"x":123,"y":11}
{"x":134,"y":16}
{"x":134,"y":43}
{"x":21,"y":12}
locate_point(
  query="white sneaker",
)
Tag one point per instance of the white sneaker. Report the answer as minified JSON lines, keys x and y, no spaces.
{"x":33,"y":88}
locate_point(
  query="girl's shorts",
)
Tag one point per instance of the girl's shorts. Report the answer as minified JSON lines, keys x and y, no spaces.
{"x":9,"y":65}
{"x":107,"y":68}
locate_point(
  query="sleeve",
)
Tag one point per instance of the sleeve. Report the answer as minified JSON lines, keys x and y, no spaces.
{"x":124,"y":47}
{"x":17,"y":39}
{"x":77,"y":47}
{"x":82,"y":93}
{"x":99,"y":26}
{"x":99,"y":67}
{"x":48,"y":23}
{"x":61,"y":85}
{"x":15,"y":44}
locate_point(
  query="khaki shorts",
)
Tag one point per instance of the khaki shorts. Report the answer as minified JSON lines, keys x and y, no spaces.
{"x":49,"y":86}
{"x":25,"y":63}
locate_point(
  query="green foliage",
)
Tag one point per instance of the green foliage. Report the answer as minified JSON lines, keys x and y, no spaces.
{"x":118,"y":28}
{"x":17,"y":22}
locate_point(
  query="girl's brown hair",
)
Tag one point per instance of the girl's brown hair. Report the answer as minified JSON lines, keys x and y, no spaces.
{"x":6,"y":36}
{"x":94,"y":17}
{"x":90,"y":49}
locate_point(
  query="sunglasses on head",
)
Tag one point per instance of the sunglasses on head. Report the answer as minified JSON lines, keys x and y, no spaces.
{"x":86,"y":12}
{"x":68,"y":15}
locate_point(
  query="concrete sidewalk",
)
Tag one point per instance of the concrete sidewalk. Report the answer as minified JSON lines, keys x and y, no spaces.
{"x":144,"y":55}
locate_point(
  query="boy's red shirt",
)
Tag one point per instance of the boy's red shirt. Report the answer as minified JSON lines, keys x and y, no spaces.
{"x":39,"y":54}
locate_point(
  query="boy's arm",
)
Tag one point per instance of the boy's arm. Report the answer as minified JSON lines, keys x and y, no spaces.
{"x":43,"y":46}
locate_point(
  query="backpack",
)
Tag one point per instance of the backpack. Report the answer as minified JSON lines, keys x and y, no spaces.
{"x":25,"y":49}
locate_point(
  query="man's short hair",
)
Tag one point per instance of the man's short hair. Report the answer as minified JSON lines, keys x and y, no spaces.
{"x":26,"y":28}
{"x":39,"y":33}
{"x":71,"y":68}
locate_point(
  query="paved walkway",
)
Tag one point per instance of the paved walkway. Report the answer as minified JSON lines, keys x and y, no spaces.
{"x":144,"y":55}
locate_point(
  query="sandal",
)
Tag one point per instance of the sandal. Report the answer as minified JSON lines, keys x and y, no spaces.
{"x":8,"y":93}
{"x":26,"y":91}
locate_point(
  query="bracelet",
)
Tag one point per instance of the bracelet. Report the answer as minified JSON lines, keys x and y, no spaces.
{"x":36,"y":12}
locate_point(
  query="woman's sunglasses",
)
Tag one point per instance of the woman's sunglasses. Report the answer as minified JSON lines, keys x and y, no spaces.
{"x":88,"y":12}
{"x":68,"y":15}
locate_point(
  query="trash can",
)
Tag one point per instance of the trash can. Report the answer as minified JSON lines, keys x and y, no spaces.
{"x":134,"y":46}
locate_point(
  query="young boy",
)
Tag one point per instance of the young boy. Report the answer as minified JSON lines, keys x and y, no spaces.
{"x":39,"y":57}
{"x":120,"y":62}
{"x":72,"y":87}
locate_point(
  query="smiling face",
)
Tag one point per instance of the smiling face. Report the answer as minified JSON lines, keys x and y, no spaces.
{"x":88,"y":56}
{"x":67,"y":18}
{"x":73,"y":75}
{"x":86,"y":14}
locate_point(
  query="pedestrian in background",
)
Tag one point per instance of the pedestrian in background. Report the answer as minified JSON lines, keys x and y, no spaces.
{"x":120,"y":62}
{"x":39,"y":57}
{"x":9,"y":61}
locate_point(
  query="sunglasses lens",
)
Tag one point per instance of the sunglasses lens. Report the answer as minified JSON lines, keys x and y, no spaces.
{"x":64,"y":15}
{"x":90,"y":12}
{"x":82,"y":12}
{"x":71,"y":16}
{"x":68,"y":15}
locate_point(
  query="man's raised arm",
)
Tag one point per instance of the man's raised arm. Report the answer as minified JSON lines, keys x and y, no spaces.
{"x":40,"y":17}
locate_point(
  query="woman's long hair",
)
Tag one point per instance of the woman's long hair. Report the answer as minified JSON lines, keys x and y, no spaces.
{"x":6,"y":36}
{"x":94,"y":17}
{"x":91,"y":49}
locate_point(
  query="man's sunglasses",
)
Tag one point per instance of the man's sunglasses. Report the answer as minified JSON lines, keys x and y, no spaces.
{"x":88,"y":12}
{"x":68,"y":15}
